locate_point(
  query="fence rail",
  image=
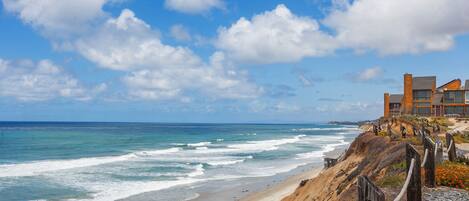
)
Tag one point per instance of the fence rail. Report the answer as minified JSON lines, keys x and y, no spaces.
{"x":429,"y":162}
{"x":367,"y":191}
{"x":433,"y":154}
{"x":451,"y":147}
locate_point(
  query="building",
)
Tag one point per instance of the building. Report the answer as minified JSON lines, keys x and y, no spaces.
{"x":422,"y":97}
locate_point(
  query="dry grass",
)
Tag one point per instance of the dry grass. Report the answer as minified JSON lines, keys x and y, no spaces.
{"x":461,"y":138}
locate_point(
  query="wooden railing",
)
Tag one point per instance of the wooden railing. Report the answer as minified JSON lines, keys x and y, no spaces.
{"x":451,"y":147}
{"x":329,"y":162}
{"x":433,"y":154}
{"x":367,"y":191}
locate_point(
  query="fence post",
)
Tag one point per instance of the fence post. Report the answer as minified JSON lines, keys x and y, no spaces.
{"x":429,"y":163}
{"x":367,"y":191}
{"x":452,"y":149}
{"x":414,"y":190}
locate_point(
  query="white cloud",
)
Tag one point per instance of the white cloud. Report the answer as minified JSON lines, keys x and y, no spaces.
{"x":400,"y":26}
{"x":369,"y":74}
{"x":158,"y":71}
{"x":274,"y":36}
{"x":214,"y":81}
{"x":57,"y":18}
{"x":128,"y":43}
{"x":180,"y":33}
{"x":194,"y":6}
{"x":29,"y":81}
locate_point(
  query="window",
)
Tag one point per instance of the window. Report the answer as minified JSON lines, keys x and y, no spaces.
{"x":453,"y":97}
{"x":467,"y":97}
{"x":422,"y":95}
{"x":395,"y":106}
{"x":454,"y":110}
{"x":422,"y":104}
{"x":467,"y":111}
{"x":424,"y":111}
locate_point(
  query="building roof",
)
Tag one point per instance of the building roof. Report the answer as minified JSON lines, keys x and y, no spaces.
{"x":423,"y":83}
{"x":437,"y":99}
{"x":395,"y":98}
{"x":467,"y":85}
{"x":455,"y":81}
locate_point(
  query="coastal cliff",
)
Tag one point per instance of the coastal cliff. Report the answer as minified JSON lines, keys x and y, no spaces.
{"x":368,"y":155}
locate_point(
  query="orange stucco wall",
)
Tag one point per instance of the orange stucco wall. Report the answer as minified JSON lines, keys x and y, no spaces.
{"x":386,"y":105}
{"x":408,"y":99}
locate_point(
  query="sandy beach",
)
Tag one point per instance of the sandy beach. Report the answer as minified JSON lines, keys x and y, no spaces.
{"x":282,"y":189}
{"x":287,"y":186}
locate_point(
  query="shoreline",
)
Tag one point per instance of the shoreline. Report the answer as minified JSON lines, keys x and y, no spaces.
{"x":288,"y":185}
{"x":269,"y":188}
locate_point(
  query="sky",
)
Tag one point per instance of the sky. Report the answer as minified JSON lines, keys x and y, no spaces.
{"x":221,"y":61}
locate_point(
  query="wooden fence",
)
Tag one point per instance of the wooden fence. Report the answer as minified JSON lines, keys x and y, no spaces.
{"x":433,"y":154}
{"x":329,"y":162}
{"x":429,"y":162}
{"x":367,"y":191}
{"x":451,"y":147}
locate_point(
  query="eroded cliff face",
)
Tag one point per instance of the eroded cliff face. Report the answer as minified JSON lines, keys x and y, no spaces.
{"x":368,"y":155}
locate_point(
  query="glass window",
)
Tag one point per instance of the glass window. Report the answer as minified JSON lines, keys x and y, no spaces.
{"x":424,"y":111}
{"x":454,"y":110}
{"x":422,"y":94}
{"x":467,"y":97}
{"x":454,"y":97}
{"x":422,"y":104}
{"x":395,"y":106}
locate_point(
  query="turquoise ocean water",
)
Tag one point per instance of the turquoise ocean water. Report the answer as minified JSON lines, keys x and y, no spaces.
{"x":109,"y":161}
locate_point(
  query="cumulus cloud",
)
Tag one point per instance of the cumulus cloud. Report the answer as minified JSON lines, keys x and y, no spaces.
{"x":387,"y":26}
{"x":213,"y":80}
{"x":399,"y":26}
{"x":194,"y":6}
{"x":158,"y":71}
{"x":29,"y":81}
{"x":128,"y":43}
{"x":274,"y":36}
{"x":180,"y":33}
{"x":57,"y":18}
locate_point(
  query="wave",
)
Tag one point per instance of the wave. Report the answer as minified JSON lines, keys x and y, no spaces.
{"x":265,"y":145}
{"x":226,"y":162}
{"x":325,"y":129}
{"x":321,"y":153}
{"x":199,"y":170}
{"x":45,"y":166}
{"x":199,"y":144}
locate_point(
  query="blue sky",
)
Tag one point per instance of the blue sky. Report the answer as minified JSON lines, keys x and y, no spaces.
{"x":219,"y":60}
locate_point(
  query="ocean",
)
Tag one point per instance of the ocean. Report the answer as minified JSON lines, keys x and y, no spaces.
{"x":111,"y":161}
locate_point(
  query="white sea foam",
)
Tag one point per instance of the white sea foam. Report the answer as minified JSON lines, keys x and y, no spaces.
{"x":40,"y":167}
{"x":158,"y":152}
{"x":325,"y":129}
{"x":201,"y":148}
{"x":320,"y":153}
{"x":199,"y":144}
{"x":265,"y":145}
{"x":227,"y":162}
{"x":199,"y":170}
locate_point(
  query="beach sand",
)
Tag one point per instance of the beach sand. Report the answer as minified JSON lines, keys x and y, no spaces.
{"x":287,"y":186}
{"x":282,"y":189}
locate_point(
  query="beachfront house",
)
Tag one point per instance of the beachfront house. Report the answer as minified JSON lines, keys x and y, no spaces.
{"x":422,"y":97}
